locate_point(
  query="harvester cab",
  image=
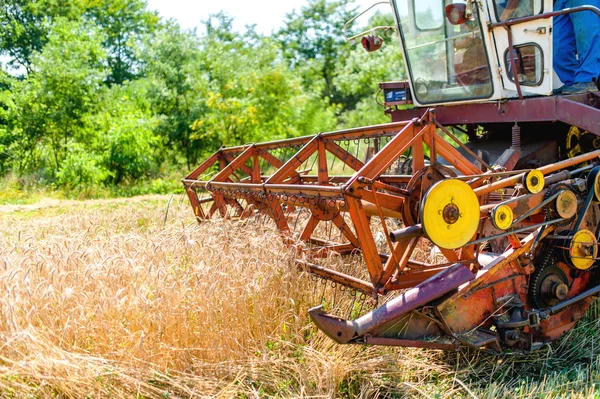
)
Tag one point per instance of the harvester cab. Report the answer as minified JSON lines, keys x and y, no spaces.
{"x":490,"y":242}
{"x":459,"y":52}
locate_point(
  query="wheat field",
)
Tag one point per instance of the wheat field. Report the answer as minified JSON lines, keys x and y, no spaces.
{"x":110,"y":299}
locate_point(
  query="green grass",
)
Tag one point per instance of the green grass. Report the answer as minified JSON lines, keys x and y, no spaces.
{"x":20,"y":191}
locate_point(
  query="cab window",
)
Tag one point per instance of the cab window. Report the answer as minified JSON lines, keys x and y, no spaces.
{"x":429,"y":14}
{"x":529,"y":63}
{"x":510,"y":9}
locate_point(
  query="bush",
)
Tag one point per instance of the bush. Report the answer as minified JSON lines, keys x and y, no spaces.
{"x":81,"y":169}
{"x":130,"y":150}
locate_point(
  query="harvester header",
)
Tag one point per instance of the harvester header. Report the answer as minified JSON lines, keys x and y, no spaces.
{"x":509,"y":219}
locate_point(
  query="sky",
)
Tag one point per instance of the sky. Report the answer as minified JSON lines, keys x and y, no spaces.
{"x":268,"y":15}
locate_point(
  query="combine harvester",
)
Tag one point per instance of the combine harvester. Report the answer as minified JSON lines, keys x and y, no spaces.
{"x":512,"y":217}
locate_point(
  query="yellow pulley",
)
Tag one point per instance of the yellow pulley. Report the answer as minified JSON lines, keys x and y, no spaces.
{"x":566,"y":204}
{"x":502,"y":217}
{"x":450,"y":213}
{"x":533,"y":181}
{"x":583,"y":249}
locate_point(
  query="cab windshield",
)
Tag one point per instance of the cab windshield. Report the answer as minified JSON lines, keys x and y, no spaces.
{"x":446,"y":62}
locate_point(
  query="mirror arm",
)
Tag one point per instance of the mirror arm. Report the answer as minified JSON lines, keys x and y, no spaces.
{"x":386,"y":28}
{"x":347,"y":24}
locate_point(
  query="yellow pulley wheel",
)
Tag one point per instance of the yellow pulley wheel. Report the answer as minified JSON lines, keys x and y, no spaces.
{"x":533,"y":181}
{"x":566,"y":204}
{"x":450,"y":213}
{"x":502,"y":217}
{"x":583,"y":249}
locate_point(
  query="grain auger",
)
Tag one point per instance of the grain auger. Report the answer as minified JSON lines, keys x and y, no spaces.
{"x":509,"y":223}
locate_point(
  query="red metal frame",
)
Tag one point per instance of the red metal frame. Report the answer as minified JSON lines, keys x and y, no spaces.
{"x":255,"y":180}
{"x":581,"y":110}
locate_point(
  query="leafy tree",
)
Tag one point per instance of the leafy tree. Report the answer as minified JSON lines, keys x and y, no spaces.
{"x":25,"y":24}
{"x":124,"y":24}
{"x":49,"y":107}
{"x":171,"y":64}
{"x":123,"y":134}
{"x":6,"y":138}
{"x":312,"y":41}
{"x":252,"y":95}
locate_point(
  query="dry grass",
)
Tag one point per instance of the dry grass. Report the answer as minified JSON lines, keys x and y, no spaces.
{"x":98,"y":299}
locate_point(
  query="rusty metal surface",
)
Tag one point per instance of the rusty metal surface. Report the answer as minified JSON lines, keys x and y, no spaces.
{"x":343,"y":330}
{"x":567,"y":109}
{"x":275,"y":183}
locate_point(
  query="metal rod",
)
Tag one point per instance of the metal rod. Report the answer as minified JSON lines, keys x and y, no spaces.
{"x":488,"y":188}
{"x":493,"y":174}
{"x":407,"y":232}
{"x":545,"y":15}
{"x":535,"y":208}
{"x":333,"y":275}
{"x":557,"y":308}
{"x":383,"y":129}
{"x":520,"y":230}
{"x":567,"y":174}
{"x":513,"y":63}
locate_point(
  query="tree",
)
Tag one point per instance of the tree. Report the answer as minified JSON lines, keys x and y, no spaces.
{"x":312,"y":41}
{"x":24,"y":26}
{"x":171,"y":65}
{"x":121,"y":133}
{"x":124,"y":24}
{"x":50,"y":106}
{"x":252,"y":95}
{"x":6,"y":138}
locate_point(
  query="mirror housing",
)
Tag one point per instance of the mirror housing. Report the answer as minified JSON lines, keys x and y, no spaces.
{"x":371,"y":43}
{"x":456,"y":13}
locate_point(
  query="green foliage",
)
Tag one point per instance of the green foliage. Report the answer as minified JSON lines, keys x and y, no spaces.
{"x":174,"y":76}
{"x":261,"y":101}
{"x":124,"y":134}
{"x":81,"y":169}
{"x":50,"y":105}
{"x":25,"y":25}
{"x":107,"y":94}
{"x":124,"y":24}
{"x":6,"y":136}
{"x":312,"y":41}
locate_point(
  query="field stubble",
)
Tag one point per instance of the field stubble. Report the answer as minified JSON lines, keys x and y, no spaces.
{"x":101,"y":299}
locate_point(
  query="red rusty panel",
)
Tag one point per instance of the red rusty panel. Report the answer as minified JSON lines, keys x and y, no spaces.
{"x":576,"y":110}
{"x":578,"y":114}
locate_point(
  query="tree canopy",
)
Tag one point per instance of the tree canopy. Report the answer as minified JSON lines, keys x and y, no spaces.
{"x":102,"y":92}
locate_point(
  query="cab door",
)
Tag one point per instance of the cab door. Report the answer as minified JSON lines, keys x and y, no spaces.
{"x":532,"y":46}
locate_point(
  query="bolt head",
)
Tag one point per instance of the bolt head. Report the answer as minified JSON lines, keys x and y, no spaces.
{"x":561,"y":291}
{"x":534,"y":181}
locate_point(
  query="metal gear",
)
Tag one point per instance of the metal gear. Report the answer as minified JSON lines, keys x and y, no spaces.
{"x":548,"y":284}
{"x":580,"y":141}
{"x":549,"y":209}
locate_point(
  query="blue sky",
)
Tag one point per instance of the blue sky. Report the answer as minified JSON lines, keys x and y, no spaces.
{"x":268,"y":15}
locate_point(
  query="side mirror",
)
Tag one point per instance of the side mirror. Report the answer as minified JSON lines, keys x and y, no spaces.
{"x":456,"y":13}
{"x":371,"y":43}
